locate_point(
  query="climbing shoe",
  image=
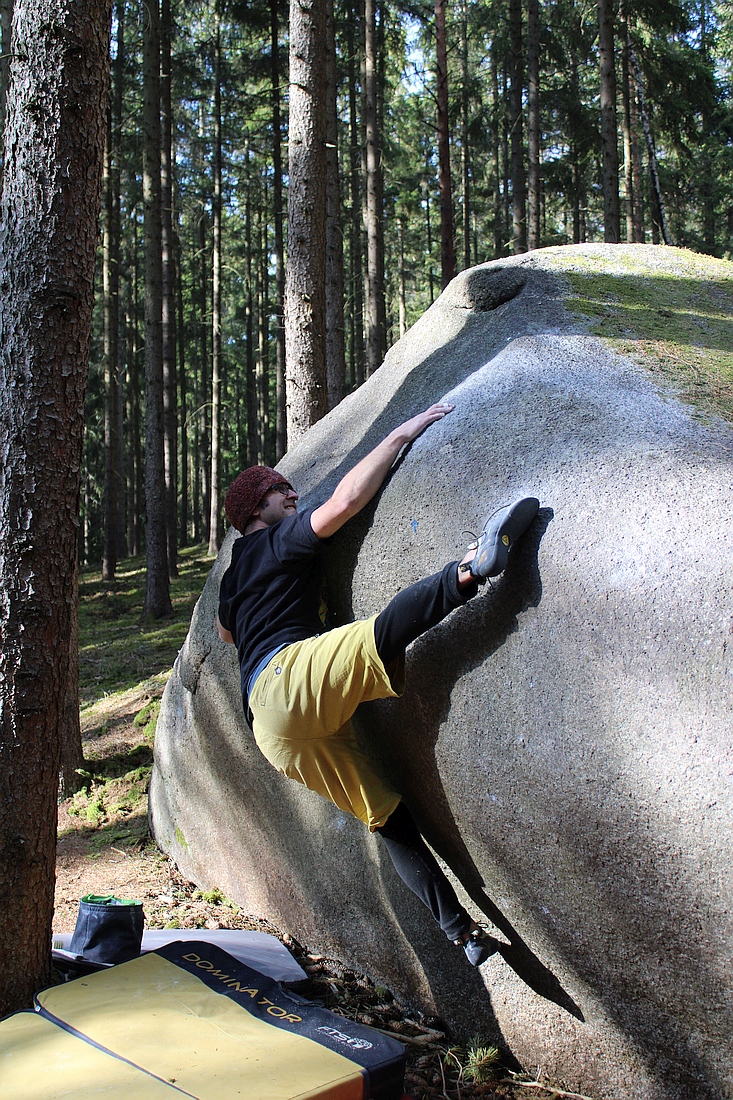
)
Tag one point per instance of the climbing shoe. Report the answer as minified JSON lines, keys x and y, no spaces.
{"x":478,"y":947}
{"x":501,"y":531}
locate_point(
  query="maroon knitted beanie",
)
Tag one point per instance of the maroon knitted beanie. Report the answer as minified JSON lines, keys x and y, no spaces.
{"x":246,"y":492}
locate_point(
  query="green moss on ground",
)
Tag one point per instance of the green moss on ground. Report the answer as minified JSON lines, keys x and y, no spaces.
{"x":116,"y":649}
{"x":676,"y":320}
{"x":123,"y":667}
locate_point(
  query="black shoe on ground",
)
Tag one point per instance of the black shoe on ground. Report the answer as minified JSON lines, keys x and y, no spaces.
{"x":501,"y":531}
{"x":478,"y":947}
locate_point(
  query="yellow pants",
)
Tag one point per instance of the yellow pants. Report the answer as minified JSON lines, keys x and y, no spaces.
{"x":302,"y":703}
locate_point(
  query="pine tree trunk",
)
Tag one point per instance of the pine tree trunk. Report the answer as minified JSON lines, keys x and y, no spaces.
{"x":183,"y":390}
{"x":116,"y":110}
{"x":203,"y":498}
{"x":110,"y":294}
{"x":170,"y":417}
{"x":465,"y":139}
{"x":375,"y":313}
{"x":157,"y":591}
{"x":401,"y":276}
{"x":55,"y":123}
{"x":533,"y":123}
{"x":628,"y":163}
{"x":281,"y":426}
{"x":305,"y":283}
{"x":355,"y":215}
{"x":6,"y":21}
{"x":636,"y":164}
{"x":251,"y":384}
{"x":335,"y":343}
{"x":214,"y":506}
{"x":659,"y":216}
{"x":496,"y":110}
{"x":609,"y":135}
{"x":72,"y":750}
{"x":429,"y":224}
{"x":519,"y":217}
{"x":263,"y":334}
{"x":447,"y":245}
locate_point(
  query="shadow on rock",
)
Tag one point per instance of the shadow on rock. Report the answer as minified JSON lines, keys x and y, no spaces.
{"x":436,"y":662}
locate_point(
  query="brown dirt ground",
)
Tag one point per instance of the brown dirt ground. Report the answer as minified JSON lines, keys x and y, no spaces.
{"x":113,"y":854}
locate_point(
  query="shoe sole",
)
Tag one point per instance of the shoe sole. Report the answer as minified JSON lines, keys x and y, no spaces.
{"x":500,"y":532}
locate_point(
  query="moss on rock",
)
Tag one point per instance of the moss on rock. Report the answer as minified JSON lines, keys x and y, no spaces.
{"x":668,"y":309}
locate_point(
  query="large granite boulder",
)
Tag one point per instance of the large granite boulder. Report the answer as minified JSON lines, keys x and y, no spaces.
{"x":565,"y":739}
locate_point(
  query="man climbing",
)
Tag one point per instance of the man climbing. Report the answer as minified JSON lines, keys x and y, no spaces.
{"x":302,"y":682}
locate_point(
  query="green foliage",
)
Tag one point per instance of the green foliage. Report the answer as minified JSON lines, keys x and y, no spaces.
{"x":147,"y":719}
{"x":108,"y":798}
{"x":214,"y":897}
{"x":475,"y":1063}
{"x":685,"y":54}
{"x":116,"y":650}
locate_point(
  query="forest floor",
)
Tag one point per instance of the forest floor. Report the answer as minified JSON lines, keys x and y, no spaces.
{"x":104,"y":846}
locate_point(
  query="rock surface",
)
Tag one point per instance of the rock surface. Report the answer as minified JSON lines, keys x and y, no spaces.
{"x":565,"y":739}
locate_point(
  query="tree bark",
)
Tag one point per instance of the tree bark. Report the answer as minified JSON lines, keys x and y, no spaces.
{"x":281,"y":426}
{"x":263,"y":334}
{"x":72,"y":750}
{"x":305,"y":283}
{"x":6,"y":21}
{"x":533,"y":123}
{"x":183,"y":388}
{"x":375,"y":312}
{"x":355,"y":214}
{"x":628,"y":163}
{"x":447,"y":244}
{"x":519,"y":217}
{"x":214,"y":520}
{"x":609,"y":129}
{"x":335,"y":342}
{"x":55,"y":123}
{"x":465,"y":139}
{"x":110,"y":294}
{"x":251,"y":381}
{"x":497,"y":108}
{"x":157,"y":591}
{"x":653,"y":169}
{"x":170,"y":417}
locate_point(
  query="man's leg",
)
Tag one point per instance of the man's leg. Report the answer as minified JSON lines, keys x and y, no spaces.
{"x":419,"y":870}
{"x":422,"y":605}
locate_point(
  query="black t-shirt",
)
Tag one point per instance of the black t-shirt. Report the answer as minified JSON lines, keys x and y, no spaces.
{"x":271,"y":593}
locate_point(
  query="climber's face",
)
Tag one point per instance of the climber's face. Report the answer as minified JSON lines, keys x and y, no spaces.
{"x":276,"y":504}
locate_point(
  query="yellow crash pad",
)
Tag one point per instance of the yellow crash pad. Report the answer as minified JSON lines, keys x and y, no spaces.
{"x":198,"y":1019}
{"x":40,"y":1061}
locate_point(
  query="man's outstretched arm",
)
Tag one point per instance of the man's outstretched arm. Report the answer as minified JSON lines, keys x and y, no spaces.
{"x":360,"y":484}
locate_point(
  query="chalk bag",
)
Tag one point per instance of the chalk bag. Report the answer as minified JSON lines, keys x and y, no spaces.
{"x":108,"y":929}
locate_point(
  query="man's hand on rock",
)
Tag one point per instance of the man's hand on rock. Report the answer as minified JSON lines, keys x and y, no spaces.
{"x":414,"y":427}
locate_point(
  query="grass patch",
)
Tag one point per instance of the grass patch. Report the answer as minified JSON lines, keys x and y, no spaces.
{"x":676,"y":321}
{"x":123,"y":663}
{"x":116,"y":650}
{"x":108,"y":800}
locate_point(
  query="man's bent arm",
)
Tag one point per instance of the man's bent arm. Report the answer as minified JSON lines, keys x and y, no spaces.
{"x":360,"y":484}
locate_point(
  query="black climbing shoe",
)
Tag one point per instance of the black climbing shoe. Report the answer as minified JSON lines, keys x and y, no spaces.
{"x":501,"y":531}
{"x":478,"y":947}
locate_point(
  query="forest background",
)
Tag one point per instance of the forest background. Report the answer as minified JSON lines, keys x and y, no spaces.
{"x":455,"y":134}
{"x":283,"y":194}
